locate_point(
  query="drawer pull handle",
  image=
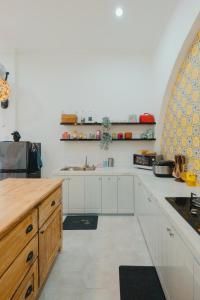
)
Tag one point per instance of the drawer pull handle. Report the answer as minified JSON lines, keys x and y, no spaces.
{"x":29,"y":228}
{"x":29,"y":257}
{"x":53,"y":203}
{"x":29,"y":291}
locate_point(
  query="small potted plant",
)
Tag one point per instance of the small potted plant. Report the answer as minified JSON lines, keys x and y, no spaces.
{"x":106,"y":137}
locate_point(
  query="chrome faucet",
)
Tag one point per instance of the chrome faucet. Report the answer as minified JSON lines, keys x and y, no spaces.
{"x":192,"y":197}
{"x":87,"y":167}
{"x":86,"y":162}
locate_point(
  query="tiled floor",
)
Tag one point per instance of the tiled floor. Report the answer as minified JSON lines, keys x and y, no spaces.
{"x":88,"y":267}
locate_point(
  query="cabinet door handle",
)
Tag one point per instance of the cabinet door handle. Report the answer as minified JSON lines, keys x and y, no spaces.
{"x":168,"y":229}
{"x":53,"y":203}
{"x":171,"y":235}
{"x":42,"y":231}
{"x":29,"y":228}
{"x":28,"y":292}
{"x":30,"y":256}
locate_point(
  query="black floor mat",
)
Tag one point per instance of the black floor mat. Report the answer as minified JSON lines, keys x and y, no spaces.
{"x":80,"y":222}
{"x":140,"y":283}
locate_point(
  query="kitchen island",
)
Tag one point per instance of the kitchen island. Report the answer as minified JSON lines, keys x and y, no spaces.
{"x":30,"y":234}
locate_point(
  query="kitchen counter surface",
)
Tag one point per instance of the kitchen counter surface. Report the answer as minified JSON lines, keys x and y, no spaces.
{"x":19,"y":196}
{"x":105,"y":171}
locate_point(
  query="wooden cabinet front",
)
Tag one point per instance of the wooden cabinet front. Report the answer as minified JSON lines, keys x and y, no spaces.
{"x":29,"y":287}
{"x":13,"y":243}
{"x":49,"y":205}
{"x":29,"y":239}
{"x":50,"y":237}
{"x":13,"y":277}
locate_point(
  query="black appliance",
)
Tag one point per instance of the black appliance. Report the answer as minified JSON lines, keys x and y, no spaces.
{"x":188,"y":208}
{"x":15,"y":159}
{"x":145,"y":161}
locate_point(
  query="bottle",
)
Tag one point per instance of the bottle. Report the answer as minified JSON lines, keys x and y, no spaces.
{"x":82,"y":116}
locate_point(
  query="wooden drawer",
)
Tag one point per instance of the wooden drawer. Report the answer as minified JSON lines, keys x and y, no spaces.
{"x":13,"y":277}
{"x":29,"y":287}
{"x":13,"y":243}
{"x":49,"y":205}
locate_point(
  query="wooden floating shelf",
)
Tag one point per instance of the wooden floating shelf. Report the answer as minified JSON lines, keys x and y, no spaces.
{"x":114,"y":123}
{"x":95,"y":140}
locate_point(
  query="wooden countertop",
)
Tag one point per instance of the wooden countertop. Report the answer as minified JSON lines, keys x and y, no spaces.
{"x":19,"y":196}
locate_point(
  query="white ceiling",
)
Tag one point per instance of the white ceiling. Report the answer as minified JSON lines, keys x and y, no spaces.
{"x":84,"y":24}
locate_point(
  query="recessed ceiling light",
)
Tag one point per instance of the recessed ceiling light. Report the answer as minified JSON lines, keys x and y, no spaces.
{"x":119,"y":12}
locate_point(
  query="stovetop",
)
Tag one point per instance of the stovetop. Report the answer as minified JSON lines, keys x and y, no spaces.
{"x":184,"y":206}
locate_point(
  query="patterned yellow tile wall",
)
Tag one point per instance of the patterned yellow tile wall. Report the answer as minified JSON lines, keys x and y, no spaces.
{"x":181,"y":132}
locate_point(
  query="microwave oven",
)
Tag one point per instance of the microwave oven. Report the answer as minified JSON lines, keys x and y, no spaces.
{"x":145,"y":161}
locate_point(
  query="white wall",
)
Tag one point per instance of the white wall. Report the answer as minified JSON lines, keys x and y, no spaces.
{"x":113,"y":84}
{"x":8,"y":116}
{"x":106,"y":82}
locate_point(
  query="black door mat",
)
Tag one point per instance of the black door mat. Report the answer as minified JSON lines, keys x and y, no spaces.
{"x":80,"y":222}
{"x":140,"y":283}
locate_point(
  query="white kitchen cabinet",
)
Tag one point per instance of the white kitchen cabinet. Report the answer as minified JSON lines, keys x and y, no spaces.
{"x":125,"y":192}
{"x":65,"y":196}
{"x":196,"y":280}
{"x":143,"y":210}
{"x":177,"y":265}
{"x":93,"y":194}
{"x":141,"y":195}
{"x":76,"y":190}
{"x":170,"y":255}
{"x":151,"y":226}
{"x":109,"y":194}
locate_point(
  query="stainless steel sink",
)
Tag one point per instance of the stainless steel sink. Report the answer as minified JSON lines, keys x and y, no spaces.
{"x":88,"y":168}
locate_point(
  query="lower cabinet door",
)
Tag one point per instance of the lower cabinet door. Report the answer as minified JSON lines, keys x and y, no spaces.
{"x":29,"y":286}
{"x":65,"y":196}
{"x":178,"y":266}
{"x":125,"y":194}
{"x":93,"y":194}
{"x":76,"y":193}
{"x":49,"y":243}
{"x":109,"y":194}
{"x":196,"y":280}
{"x":141,"y":198}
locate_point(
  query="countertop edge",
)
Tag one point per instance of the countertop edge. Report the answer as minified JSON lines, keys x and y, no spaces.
{"x":8,"y":226}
